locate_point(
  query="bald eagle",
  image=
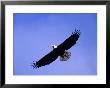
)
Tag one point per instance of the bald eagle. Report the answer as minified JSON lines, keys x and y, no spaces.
{"x":60,"y":50}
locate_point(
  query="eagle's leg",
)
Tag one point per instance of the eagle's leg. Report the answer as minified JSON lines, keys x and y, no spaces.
{"x":65,"y":56}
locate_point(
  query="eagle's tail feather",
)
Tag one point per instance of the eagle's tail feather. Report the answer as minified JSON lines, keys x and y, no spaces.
{"x":65,"y":56}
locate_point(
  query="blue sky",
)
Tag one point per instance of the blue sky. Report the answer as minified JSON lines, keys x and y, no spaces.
{"x":34,"y":33}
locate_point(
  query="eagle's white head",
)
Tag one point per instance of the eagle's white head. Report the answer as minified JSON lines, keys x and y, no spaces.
{"x":54,"y":46}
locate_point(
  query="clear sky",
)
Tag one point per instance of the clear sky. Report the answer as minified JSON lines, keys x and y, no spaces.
{"x":34,"y":33}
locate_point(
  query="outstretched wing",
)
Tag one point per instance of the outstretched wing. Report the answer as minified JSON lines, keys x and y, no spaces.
{"x":69,"y":42}
{"x":47,"y":59}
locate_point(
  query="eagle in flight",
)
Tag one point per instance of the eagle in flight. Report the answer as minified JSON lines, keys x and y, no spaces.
{"x":60,"y":50}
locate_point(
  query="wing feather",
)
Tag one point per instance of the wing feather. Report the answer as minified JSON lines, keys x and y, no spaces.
{"x":47,"y":59}
{"x":69,"y":42}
